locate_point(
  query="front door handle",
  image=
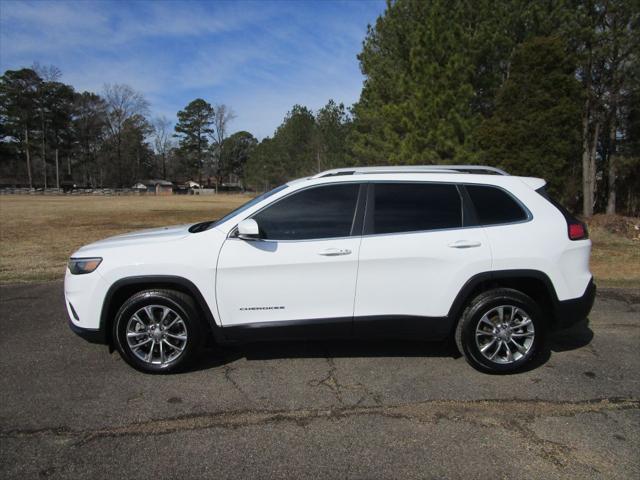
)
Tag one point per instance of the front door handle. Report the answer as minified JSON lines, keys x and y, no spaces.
{"x":465,"y":244}
{"x":335,"y":252}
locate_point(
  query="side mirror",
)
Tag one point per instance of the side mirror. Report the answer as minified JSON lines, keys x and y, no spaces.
{"x":248,"y":229}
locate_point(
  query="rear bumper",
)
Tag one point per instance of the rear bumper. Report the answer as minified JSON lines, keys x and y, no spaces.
{"x":570,"y":312}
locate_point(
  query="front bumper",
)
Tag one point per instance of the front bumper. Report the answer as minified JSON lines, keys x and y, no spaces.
{"x":89,"y":334}
{"x":84,"y":295}
{"x":570,"y":312}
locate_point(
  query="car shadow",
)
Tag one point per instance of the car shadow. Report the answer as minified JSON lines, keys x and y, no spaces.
{"x":215,"y":356}
{"x":576,"y":337}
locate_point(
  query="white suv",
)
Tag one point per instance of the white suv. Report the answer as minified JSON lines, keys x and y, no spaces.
{"x":423,"y":253}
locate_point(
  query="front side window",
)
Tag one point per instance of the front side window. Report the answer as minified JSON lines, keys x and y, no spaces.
{"x":319,"y":212}
{"x":411,"y":207}
{"x":495,"y":206}
{"x":248,"y":205}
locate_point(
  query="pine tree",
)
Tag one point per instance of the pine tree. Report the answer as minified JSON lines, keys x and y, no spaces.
{"x":432,"y":70}
{"x":195,"y":125}
{"x":18,"y":89}
{"x":535,"y":130}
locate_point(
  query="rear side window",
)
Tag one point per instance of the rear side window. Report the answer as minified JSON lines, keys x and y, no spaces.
{"x":494,"y":205}
{"x":576,"y":229}
{"x":320,"y":212}
{"x":567,"y":214}
{"x":411,"y":207}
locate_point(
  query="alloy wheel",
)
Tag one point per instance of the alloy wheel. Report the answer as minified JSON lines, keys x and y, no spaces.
{"x":505,"y":334}
{"x":156,"y":335}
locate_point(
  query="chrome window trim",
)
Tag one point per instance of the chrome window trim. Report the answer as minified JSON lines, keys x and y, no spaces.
{"x":232,"y":235}
{"x":233,"y":232}
{"x":526,"y":210}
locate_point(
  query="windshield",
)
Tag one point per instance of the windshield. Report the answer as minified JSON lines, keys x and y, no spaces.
{"x":248,"y":205}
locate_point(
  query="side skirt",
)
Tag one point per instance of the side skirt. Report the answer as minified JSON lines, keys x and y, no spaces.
{"x":289,"y":330}
{"x":406,"y":327}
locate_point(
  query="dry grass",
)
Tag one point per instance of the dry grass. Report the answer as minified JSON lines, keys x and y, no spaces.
{"x":37,"y":234}
{"x":615,"y":258}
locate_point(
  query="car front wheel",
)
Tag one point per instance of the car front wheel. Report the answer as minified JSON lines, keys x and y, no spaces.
{"x":500,"y":331}
{"x":158,"y":331}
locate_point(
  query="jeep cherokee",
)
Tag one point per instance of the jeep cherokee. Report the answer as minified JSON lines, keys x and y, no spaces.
{"x":423,"y":253}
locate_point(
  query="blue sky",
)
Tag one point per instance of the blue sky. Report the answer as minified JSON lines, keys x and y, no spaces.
{"x":258,"y":57}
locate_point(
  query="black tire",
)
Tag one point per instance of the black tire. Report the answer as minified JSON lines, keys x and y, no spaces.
{"x":182,"y":305}
{"x":465,"y":335}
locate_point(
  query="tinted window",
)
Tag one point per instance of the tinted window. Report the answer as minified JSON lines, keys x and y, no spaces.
{"x":320,"y":212}
{"x":567,"y":214}
{"x":494,"y":205}
{"x":410,"y":207}
{"x":249,"y":204}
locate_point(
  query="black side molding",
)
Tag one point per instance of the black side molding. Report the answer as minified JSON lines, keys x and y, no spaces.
{"x":407,"y":327}
{"x":89,"y":334}
{"x":570,"y":312}
{"x":404,"y":327}
{"x":156,"y":281}
{"x":463,"y":295}
{"x":564,"y":313}
{"x":323,"y":328}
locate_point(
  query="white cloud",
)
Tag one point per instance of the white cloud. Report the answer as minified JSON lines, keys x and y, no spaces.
{"x":258,"y":57}
{"x":37,"y":27}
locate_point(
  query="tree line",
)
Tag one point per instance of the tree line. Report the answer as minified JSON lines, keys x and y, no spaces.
{"x":540,"y":88}
{"x":53,"y":136}
{"x":543,"y":88}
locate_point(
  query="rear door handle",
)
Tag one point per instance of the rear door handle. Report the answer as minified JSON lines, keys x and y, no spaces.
{"x":335,"y":252}
{"x":465,"y":244}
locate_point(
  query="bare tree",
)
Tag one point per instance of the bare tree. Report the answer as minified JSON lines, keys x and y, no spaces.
{"x":621,"y":54}
{"x":48,"y":73}
{"x":123,"y":104}
{"x":608,"y":48}
{"x":223,"y":115}
{"x":162,"y":141}
{"x":89,"y":126}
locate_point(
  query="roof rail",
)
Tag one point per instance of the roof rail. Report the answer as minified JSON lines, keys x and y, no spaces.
{"x":412,"y":169}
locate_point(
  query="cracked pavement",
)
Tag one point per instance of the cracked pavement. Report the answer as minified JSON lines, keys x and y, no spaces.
{"x":69,"y":409}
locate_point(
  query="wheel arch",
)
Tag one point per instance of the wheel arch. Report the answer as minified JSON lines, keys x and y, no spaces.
{"x":533,"y":283}
{"x":124,"y":288}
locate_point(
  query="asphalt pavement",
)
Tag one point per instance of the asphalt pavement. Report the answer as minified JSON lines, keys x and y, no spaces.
{"x":69,"y":409}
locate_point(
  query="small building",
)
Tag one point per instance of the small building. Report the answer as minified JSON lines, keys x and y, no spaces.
{"x":187,"y":188}
{"x":154,"y":187}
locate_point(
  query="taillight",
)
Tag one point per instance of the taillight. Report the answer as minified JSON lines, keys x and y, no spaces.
{"x":577,"y":231}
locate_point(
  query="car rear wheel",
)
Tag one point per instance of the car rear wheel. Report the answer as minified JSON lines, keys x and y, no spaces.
{"x":500,"y":331}
{"x":158,"y":331}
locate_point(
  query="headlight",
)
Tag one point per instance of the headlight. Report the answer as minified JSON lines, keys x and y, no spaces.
{"x":79,"y":266}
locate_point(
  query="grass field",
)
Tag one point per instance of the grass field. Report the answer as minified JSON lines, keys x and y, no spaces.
{"x":37,"y":234}
{"x":615,"y":259}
